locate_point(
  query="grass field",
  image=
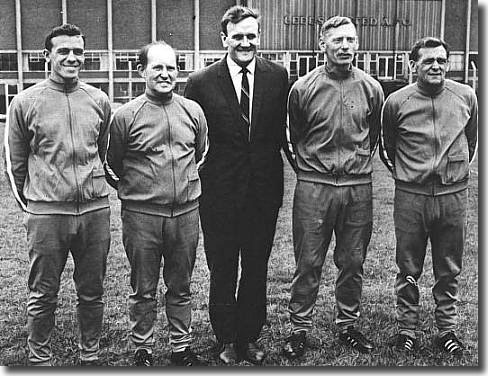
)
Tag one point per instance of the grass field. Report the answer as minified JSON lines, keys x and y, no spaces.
{"x":377,"y":320}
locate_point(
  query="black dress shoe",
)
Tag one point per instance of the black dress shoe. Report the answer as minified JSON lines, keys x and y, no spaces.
{"x":227,"y":354}
{"x":252,"y":353}
{"x":295,"y":345}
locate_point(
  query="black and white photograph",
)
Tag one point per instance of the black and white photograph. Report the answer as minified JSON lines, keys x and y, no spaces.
{"x":280,"y":184}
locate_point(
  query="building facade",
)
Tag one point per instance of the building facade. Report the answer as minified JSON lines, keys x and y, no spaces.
{"x":116,"y":29}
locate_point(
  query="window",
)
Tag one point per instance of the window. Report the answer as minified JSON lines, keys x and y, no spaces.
{"x":138,"y":88}
{"x":36,"y":62}
{"x":456,"y":62}
{"x":123,"y":61}
{"x":210,"y":60}
{"x":12,"y":91}
{"x":8,"y":62}
{"x":121,"y":92}
{"x":185,"y":62}
{"x":293,"y":68}
{"x":92,"y":61}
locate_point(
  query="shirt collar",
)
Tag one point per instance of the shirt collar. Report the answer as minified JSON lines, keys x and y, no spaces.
{"x":235,"y":69}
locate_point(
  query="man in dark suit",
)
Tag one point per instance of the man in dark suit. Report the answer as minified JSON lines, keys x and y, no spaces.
{"x":242,"y":180}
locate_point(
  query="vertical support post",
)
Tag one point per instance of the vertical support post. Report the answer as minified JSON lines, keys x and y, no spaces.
{"x":443,"y":19}
{"x":468,"y":41}
{"x":64,"y":12}
{"x":153,"y":21}
{"x":196,"y":33}
{"x":18,"y":37}
{"x":110,"y":52}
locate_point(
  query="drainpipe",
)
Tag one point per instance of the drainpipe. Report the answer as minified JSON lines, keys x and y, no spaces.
{"x":466,"y":51}
{"x":196,"y":35}
{"x":18,"y":34}
{"x":64,"y":12}
{"x":443,"y":19}
{"x":110,"y":52}
{"x":153,"y":20}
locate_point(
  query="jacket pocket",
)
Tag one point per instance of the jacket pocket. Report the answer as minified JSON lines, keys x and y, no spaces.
{"x":194,"y":187}
{"x":361,"y":164}
{"x":99,"y":184}
{"x":457,"y":168}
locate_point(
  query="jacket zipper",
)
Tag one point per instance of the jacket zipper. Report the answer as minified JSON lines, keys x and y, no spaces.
{"x":339,"y":134}
{"x":434,"y":141}
{"x":73,"y":155}
{"x":172,"y":161}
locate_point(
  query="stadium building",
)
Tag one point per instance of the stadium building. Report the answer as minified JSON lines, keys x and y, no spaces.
{"x":116,"y":29}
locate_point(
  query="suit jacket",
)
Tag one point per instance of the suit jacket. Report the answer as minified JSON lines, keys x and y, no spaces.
{"x":236,"y":165}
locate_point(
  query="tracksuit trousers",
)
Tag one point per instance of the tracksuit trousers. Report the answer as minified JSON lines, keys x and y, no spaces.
{"x":50,"y":238}
{"x":147,"y":240}
{"x":318,"y":210}
{"x":417,"y":218}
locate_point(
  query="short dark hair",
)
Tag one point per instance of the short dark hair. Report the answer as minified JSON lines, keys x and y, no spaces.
{"x":65,"y":29}
{"x":142,"y":55}
{"x":236,"y":14}
{"x":334,"y":22}
{"x":427,"y":42}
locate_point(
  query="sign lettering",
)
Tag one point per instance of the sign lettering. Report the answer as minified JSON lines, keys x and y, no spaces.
{"x":358,"y":21}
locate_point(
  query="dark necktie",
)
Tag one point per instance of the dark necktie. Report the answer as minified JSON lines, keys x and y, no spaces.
{"x":245,"y":98}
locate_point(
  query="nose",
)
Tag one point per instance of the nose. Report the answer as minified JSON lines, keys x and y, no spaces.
{"x":71,"y":56}
{"x":344,"y":44}
{"x":164,"y":72}
{"x":435,"y":65}
{"x":245,"y":41}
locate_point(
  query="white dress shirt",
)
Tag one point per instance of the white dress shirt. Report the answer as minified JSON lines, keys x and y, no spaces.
{"x":236,"y":76}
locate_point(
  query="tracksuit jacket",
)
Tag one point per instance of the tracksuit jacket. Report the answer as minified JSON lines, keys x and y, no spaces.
{"x":335,"y":125}
{"x":438,"y":137}
{"x":156,"y":148}
{"x":55,"y":142}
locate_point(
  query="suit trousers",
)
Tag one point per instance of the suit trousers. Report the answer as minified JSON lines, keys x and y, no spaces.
{"x":230,"y":232}
{"x":318,"y":211}
{"x":417,"y":218}
{"x":50,"y":238}
{"x":147,"y":240}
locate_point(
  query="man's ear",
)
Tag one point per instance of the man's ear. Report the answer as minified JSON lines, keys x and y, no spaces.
{"x":223,"y":37}
{"x":448,"y":65}
{"x":322,"y":44}
{"x":413,"y":66}
{"x":141,"y":70}
{"x":47,"y":55}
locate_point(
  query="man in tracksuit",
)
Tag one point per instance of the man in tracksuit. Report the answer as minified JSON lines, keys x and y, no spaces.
{"x":55,"y":142}
{"x":334,"y":119}
{"x":429,"y":140}
{"x":157,"y":143}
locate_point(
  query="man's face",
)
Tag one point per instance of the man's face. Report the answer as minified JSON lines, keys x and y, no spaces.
{"x":340,"y":45}
{"x":161,"y":70}
{"x":431,"y":66}
{"x":242,"y":40}
{"x":66,"y":57}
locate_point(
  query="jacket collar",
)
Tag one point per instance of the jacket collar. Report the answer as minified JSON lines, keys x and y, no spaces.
{"x":338,"y":75}
{"x":430,"y":91}
{"x":63,"y":86}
